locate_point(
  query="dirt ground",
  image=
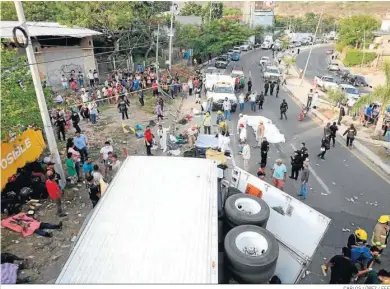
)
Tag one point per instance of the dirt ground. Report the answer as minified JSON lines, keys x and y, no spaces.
{"x":46,"y":256}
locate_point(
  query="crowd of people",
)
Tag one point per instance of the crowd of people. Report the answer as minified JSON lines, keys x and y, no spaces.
{"x":358,"y":253}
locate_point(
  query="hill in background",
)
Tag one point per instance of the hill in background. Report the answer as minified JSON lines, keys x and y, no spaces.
{"x":337,"y":9}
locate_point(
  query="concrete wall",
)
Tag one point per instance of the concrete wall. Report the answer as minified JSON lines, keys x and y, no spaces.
{"x":56,"y":61}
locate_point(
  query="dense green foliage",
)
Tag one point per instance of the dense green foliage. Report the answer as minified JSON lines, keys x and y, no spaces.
{"x":355,"y":57}
{"x":19,"y":106}
{"x":353,"y":30}
{"x":215,"y":37}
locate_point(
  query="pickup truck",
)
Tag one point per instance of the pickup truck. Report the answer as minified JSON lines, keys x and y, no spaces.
{"x":326,"y":82}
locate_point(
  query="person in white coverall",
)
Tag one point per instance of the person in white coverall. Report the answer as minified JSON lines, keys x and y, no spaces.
{"x":246,"y":155}
{"x":162,"y":134}
{"x":240,"y":121}
{"x":243,"y":133}
{"x":225,"y":143}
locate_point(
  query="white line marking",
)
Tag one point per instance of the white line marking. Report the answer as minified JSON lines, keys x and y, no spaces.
{"x":320,"y":181}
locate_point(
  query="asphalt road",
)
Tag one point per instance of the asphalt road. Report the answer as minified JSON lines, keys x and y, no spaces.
{"x":318,"y":64}
{"x":333,"y":181}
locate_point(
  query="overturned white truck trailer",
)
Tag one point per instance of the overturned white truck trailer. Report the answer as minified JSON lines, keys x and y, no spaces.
{"x":158,"y":223}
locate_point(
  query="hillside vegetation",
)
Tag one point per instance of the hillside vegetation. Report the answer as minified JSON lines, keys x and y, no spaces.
{"x":336,"y":9}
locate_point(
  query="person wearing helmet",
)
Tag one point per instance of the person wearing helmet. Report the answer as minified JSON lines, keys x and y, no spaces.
{"x":220,"y":117}
{"x":357,"y":239}
{"x":380,"y":235}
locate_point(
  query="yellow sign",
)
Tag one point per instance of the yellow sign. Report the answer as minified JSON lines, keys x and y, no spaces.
{"x":26,"y":147}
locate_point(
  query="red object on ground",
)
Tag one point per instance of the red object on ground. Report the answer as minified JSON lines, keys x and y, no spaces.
{"x":301,"y":116}
{"x":14,"y":223}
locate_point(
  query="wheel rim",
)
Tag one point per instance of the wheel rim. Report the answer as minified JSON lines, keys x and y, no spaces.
{"x":247,"y":206}
{"x":251,"y":243}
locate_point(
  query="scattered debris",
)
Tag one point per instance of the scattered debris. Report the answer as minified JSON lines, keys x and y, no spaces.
{"x":55,"y":257}
{"x":74,"y":238}
{"x":75,"y":189}
{"x":324,"y":194}
{"x":317,"y":165}
{"x":334,"y":183}
{"x":355,"y":197}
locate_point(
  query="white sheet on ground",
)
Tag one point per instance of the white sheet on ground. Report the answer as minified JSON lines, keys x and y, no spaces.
{"x":271,"y":132}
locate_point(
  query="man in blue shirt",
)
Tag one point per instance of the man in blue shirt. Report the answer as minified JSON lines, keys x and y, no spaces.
{"x":136,"y":84}
{"x":80,"y":141}
{"x":88,"y":167}
{"x":368,"y":113}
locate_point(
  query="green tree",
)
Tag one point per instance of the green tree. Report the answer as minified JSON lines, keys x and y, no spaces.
{"x":352,"y":30}
{"x":192,"y":9}
{"x":336,"y":96}
{"x":380,"y":94}
{"x":34,"y":11}
{"x":19,"y":106}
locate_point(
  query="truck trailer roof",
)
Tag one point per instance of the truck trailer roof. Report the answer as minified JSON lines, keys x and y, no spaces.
{"x":151,"y":228}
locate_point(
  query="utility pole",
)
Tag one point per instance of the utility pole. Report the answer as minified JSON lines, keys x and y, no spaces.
{"x":311,"y":47}
{"x":51,"y":141}
{"x":364,"y":44}
{"x":170,"y":39}
{"x":157,"y":64}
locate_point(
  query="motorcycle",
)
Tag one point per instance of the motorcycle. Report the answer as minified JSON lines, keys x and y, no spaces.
{"x":303,"y":113}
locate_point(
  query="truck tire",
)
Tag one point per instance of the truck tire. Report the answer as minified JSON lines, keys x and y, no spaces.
{"x":230,"y":192}
{"x":262,"y":246}
{"x":246,"y":209}
{"x":254,"y":278}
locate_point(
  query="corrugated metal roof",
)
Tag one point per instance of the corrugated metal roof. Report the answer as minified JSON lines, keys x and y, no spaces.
{"x":157,"y":223}
{"x":36,"y":29}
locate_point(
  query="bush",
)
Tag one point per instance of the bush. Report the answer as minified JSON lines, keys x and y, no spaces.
{"x":354,"y":57}
{"x":340,"y":46}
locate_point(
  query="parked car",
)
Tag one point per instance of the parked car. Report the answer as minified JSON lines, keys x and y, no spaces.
{"x":245,"y":47}
{"x":278,"y":45}
{"x":329,"y":51}
{"x":237,"y":49}
{"x":350,"y":91}
{"x":230,"y":52}
{"x":298,"y":44}
{"x":333,"y":66}
{"x":326,"y":82}
{"x":264,"y":60}
{"x":211,"y":70}
{"x":358,"y":80}
{"x":235,"y":56}
{"x":222,"y":61}
{"x":272,"y":73}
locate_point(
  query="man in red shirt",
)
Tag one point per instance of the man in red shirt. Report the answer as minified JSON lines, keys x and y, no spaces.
{"x":148,"y":140}
{"x":54,"y":192}
{"x":155,"y":88}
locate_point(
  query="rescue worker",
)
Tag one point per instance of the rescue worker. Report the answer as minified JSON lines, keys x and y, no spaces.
{"x":296,"y":165}
{"x":271,"y":88}
{"x":283,"y":109}
{"x":223,"y":126}
{"x":264,"y":148}
{"x":357,"y":239}
{"x":261,"y":100}
{"x":333,"y":130}
{"x":250,"y":85}
{"x":380,"y":235}
{"x":207,"y":123}
{"x":220,"y":117}
{"x":266,"y":87}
